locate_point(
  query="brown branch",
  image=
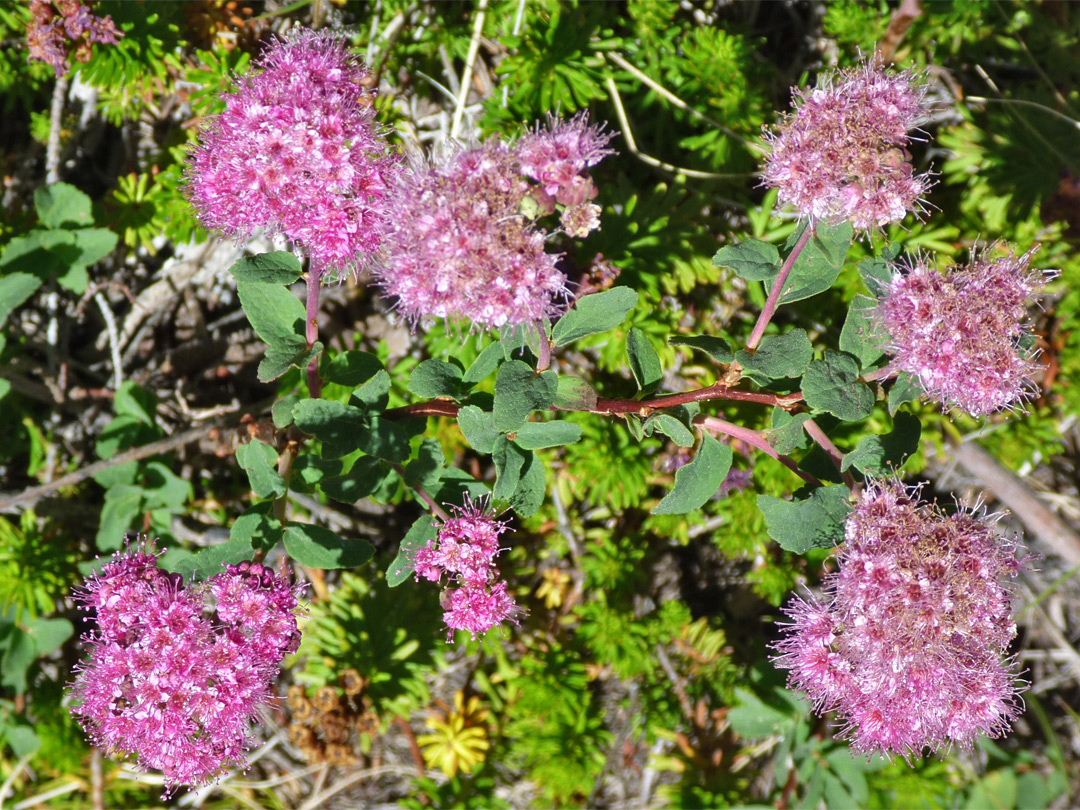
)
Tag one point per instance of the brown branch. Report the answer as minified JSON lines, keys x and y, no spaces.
{"x":134,"y":454}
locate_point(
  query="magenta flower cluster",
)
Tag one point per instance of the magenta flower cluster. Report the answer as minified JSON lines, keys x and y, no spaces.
{"x":464,"y":551}
{"x":463,"y":243}
{"x":908,"y":643}
{"x":959,"y":332}
{"x":841,"y":155}
{"x":297,"y":152}
{"x":169,"y":679}
{"x":60,"y":28}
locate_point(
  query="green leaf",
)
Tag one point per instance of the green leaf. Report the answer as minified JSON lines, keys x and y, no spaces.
{"x":273,"y":311}
{"x":22,"y":739}
{"x":335,"y":424}
{"x":351,"y":368}
{"x":384,"y":439}
{"x":487,"y":361}
{"x":519,"y":391}
{"x":309,"y":471}
{"x":279,"y":320}
{"x":162,"y":488}
{"x":209,"y":562}
{"x":699,"y":480}
{"x":374,"y":395}
{"x":531,"y":489}
{"x":509,"y":460}
{"x":859,"y":336}
{"x":423,"y":531}
{"x":136,"y":402}
{"x":18,"y":658}
{"x":5,"y":388}
{"x":44,"y":254}
{"x":49,"y":634}
{"x":539,"y":435}
{"x":574,"y":394}
{"x":478,"y":428}
{"x":832,"y":385}
{"x":122,"y":506}
{"x":124,"y":432}
{"x":15,"y":289}
{"x":820,"y":262}
{"x":435,"y":378}
{"x":426,"y":469}
{"x":362,"y":479}
{"x":801,"y":525}
{"x":717,"y":348}
{"x":288,"y":352}
{"x":787,"y":433}
{"x":880,"y":456}
{"x":777,"y":357}
{"x":62,"y":206}
{"x":279,"y":268}
{"x":671,"y":427}
{"x":752,"y":260}
{"x":281,"y":411}
{"x":905,"y":389}
{"x":593,"y":314}
{"x":754,"y":719}
{"x":317,"y":547}
{"x":259,"y":461}
{"x":877,"y":271}
{"x":644,"y":361}
{"x":257,"y":527}
{"x":851,"y":772}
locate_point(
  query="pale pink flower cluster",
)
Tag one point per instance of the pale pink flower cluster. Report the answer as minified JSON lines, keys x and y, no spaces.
{"x":297,"y":152}
{"x":465,"y":552}
{"x":959,"y":332}
{"x":909,"y":641}
{"x":462,"y":243}
{"x":172,"y":680}
{"x":841,"y":155}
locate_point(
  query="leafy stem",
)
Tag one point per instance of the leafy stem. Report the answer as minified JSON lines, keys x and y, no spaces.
{"x":714,"y":424}
{"x":314,"y":285}
{"x":778,"y":289}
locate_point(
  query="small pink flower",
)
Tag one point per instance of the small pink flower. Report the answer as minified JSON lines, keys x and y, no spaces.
{"x":464,"y":550}
{"x":841,"y":155}
{"x":463,"y":242}
{"x":461,"y":248}
{"x":556,"y":155}
{"x":297,"y":152}
{"x":959,"y":332}
{"x":908,"y":644}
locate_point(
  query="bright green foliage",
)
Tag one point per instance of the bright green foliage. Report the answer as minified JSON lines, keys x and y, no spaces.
{"x":350,"y":630}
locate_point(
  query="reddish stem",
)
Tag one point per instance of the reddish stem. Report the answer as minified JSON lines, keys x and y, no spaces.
{"x":314,"y":285}
{"x":778,"y":288}
{"x":617,"y":407}
{"x":814,"y":431}
{"x":754,"y":438}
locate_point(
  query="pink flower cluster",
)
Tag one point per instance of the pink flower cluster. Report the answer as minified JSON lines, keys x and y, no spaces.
{"x":297,"y":152}
{"x":465,"y":552}
{"x":461,"y":244}
{"x":62,"y":27}
{"x":908,"y":644}
{"x":959,"y":332}
{"x":171,"y":681}
{"x":842,"y":156}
